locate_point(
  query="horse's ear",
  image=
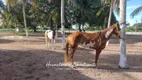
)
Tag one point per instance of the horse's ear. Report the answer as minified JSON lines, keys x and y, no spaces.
{"x":117,"y":25}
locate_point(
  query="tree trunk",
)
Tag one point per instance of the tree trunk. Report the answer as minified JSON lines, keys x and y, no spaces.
{"x":24,"y":17}
{"x":110,"y":13}
{"x":8,"y":7}
{"x":110,"y":16}
{"x":51,"y":23}
{"x":34,"y":28}
{"x":123,"y":57}
{"x":62,"y":24}
{"x":83,"y":28}
{"x":56,"y":30}
{"x":17,"y":29}
{"x":79,"y":28}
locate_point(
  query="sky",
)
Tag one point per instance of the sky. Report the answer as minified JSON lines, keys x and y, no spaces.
{"x":131,"y":6}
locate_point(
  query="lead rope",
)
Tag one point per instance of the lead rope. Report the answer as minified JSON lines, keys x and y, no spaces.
{"x":117,"y":29}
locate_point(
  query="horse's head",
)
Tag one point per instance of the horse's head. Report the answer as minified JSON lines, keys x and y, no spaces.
{"x":117,"y":30}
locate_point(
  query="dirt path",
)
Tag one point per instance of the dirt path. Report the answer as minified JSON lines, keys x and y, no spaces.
{"x":29,"y":59}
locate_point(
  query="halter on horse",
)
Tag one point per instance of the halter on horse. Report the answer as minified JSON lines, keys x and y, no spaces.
{"x":49,"y":37}
{"x":97,"y":39}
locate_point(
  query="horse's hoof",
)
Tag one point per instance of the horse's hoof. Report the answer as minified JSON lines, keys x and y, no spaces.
{"x":73,"y":66}
{"x":70,"y":64}
{"x":124,"y":67}
{"x":96,"y":67}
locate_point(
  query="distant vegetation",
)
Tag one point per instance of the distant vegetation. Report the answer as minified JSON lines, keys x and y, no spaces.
{"x":46,"y":13}
{"x":135,"y":28}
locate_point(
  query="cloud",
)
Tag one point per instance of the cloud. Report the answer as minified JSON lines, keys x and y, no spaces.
{"x":131,"y":22}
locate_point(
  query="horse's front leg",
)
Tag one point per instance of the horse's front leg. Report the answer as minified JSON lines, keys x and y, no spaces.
{"x":52,"y":43}
{"x":54,"y":40}
{"x":97,"y":56}
{"x":46,"y":40}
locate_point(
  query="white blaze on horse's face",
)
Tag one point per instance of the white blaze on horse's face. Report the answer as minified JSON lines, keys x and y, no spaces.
{"x":108,"y":33}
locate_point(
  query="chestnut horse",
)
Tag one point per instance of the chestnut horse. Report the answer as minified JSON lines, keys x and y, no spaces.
{"x":49,"y":37}
{"x":97,"y":40}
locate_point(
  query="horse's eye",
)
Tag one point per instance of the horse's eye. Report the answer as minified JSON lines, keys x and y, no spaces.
{"x":119,"y":29}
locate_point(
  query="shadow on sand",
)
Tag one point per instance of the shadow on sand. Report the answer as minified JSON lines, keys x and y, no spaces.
{"x":31,"y":65}
{"x":5,"y":41}
{"x":130,"y":39}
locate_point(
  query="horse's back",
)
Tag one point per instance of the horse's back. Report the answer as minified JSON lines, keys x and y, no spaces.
{"x":73,"y":38}
{"x":75,"y":35}
{"x":50,"y":34}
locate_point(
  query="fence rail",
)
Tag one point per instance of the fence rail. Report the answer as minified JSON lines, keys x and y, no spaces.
{"x":137,"y":33}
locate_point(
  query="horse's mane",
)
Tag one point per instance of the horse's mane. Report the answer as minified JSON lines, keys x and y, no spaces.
{"x":102,"y":33}
{"x":104,"y":30}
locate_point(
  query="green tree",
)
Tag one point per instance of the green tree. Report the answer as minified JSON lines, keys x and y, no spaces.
{"x":81,"y":10}
{"x":24,"y":17}
{"x":12,"y":3}
{"x":136,"y":11}
{"x":138,"y":26}
{"x":113,"y":5}
{"x":62,"y":17}
{"x":24,"y":4}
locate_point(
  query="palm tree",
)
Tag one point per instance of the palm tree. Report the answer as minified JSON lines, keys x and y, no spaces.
{"x":8,"y":14}
{"x":136,"y":11}
{"x":24,"y":17}
{"x":110,"y":13}
{"x":12,"y":3}
{"x":113,"y":5}
{"x":62,"y":24}
{"x":24,"y":3}
{"x":2,"y":7}
{"x":123,"y":57}
{"x":62,"y":20}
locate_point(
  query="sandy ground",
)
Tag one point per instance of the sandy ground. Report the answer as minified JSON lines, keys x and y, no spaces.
{"x":29,"y":59}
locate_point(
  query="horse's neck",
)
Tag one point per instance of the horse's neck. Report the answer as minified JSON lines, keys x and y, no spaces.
{"x":107,"y":33}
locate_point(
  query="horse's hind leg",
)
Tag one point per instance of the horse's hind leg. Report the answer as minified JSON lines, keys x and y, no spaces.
{"x":66,"y":53}
{"x":97,"y":56}
{"x":72,"y":53}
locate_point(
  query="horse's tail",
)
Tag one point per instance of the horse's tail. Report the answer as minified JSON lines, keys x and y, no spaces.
{"x":66,"y":52}
{"x":54,"y":34}
{"x":46,"y":37}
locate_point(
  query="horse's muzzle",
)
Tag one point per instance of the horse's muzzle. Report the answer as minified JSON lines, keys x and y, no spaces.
{"x":119,"y":37}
